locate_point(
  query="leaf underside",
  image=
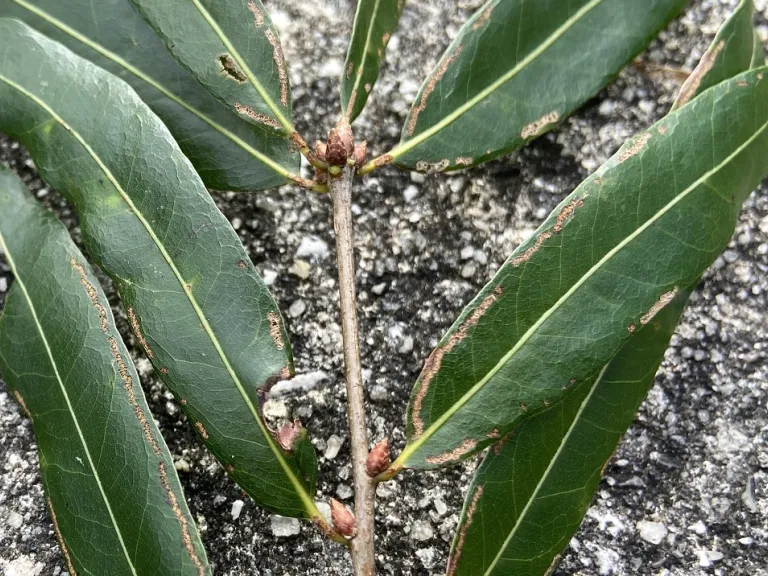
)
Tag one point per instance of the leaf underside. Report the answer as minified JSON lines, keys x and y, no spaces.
{"x":110,"y":484}
{"x":233,"y":51}
{"x":515,"y":70}
{"x":199,"y":310}
{"x":530,"y":493}
{"x":375,"y":21}
{"x":613,"y":253}
{"x":227,"y":151}
{"x":731,"y":52}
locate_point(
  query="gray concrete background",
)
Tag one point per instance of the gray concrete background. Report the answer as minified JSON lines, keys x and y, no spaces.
{"x":686,"y":493}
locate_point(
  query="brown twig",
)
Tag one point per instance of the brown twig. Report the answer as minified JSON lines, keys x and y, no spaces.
{"x":362,"y":544}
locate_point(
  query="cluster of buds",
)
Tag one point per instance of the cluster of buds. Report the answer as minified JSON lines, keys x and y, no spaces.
{"x":338,"y":151}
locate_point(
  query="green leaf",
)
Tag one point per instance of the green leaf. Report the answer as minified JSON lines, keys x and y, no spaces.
{"x":227,"y":152}
{"x":758,"y":54}
{"x":730,"y":53}
{"x":203,"y":316}
{"x":614,"y":252}
{"x":113,"y":494}
{"x":232,"y":49}
{"x":515,"y":70}
{"x":530,"y":493}
{"x":375,"y":21}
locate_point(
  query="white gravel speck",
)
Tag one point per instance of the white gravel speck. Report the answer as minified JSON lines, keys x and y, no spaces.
{"x":15,"y":520}
{"x":297,"y":308}
{"x":312,"y":246}
{"x":299,"y":383}
{"x":422,"y":530}
{"x":237,"y":507}
{"x":283,"y":527}
{"x":333,"y":446}
{"x":21,"y":566}
{"x":410,"y":192}
{"x":653,"y":532}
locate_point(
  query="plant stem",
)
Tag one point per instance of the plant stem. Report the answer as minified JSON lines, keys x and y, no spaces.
{"x":362,"y":544}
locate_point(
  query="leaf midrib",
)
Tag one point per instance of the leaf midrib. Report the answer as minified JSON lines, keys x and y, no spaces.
{"x":368,"y":36}
{"x":547,"y":472}
{"x":408,"y":145}
{"x":411,"y":448}
{"x":266,"y":160}
{"x":211,"y":21}
{"x":22,"y":285}
{"x":308,"y":502}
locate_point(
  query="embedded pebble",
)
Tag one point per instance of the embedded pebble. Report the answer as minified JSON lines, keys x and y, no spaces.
{"x":237,"y":507}
{"x":15,"y":520}
{"x":416,"y":177}
{"x":653,"y":532}
{"x":312,"y":246}
{"x":22,"y":566}
{"x":299,"y":383}
{"x":730,"y":256}
{"x":708,"y":557}
{"x":331,"y":68}
{"x":427,"y":557}
{"x":325,"y":510}
{"x":379,"y":393}
{"x":269,"y":277}
{"x":283,"y":527}
{"x":333,"y":445}
{"x":300,"y":269}
{"x":422,"y":530}
{"x":410,"y":193}
{"x":407,"y":345}
{"x":297,"y":308}
{"x":344,"y":492}
{"x":275,"y":409}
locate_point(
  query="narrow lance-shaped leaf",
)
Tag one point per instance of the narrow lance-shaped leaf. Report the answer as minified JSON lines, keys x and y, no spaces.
{"x":110,"y":485}
{"x":613,"y":253}
{"x":731,"y":52}
{"x":199,"y":310}
{"x":375,"y":21}
{"x":227,"y":152}
{"x":530,"y":493}
{"x":758,"y":54}
{"x":515,"y":70}
{"x":232,"y":49}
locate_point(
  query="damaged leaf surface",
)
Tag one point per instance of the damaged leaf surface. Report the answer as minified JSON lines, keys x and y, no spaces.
{"x":609,"y":258}
{"x":731,"y":52}
{"x":516,"y":69}
{"x":232,"y":49}
{"x":530,"y":493}
{"x":228,"y":152}
{"x":177,"y":264}
{"x":375,"y":22}
{"x":110,"y":485}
